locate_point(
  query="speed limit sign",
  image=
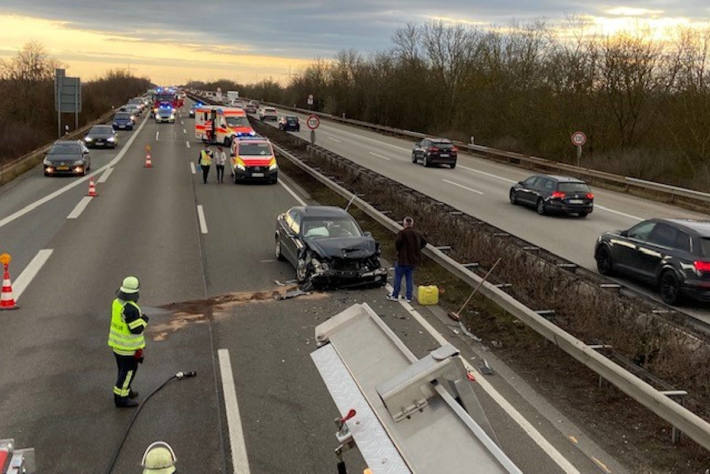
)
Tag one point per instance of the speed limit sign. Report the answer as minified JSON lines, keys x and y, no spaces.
{"x":313,"y":122}
{"x":578,"y":138}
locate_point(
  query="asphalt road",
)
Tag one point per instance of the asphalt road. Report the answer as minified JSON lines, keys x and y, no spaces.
{"x":57,"y":371}
{"x":480,"y":188}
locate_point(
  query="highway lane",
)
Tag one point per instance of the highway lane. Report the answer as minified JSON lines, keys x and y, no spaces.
{"x":480,"y":188}
{"x":57,"y":393}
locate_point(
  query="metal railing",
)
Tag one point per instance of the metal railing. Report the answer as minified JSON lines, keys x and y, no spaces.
{"x":659,"y":403}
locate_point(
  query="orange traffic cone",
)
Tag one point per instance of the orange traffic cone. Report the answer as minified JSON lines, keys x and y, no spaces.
{"x":148,"y":161}
{"x":92,"y":188}
{"x":6,"y":299}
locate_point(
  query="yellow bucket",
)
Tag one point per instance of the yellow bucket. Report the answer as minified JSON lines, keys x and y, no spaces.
{"x":427,"y":295}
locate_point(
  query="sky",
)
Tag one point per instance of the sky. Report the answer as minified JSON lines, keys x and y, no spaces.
{"x":174,"y":41}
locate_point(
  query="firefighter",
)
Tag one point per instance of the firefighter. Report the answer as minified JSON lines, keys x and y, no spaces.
{"x":126,"y":339}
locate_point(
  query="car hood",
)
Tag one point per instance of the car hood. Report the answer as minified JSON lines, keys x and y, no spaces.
{"x":99,"y":135}
{"x":165,"y":113}
{"x":55,"y":157}
{"x":342,"y":247}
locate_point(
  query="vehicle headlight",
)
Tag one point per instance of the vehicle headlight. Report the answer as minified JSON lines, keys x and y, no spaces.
{"x":239,"y":163}
{"x":111,"y":139}
{"x":133,"y":117}
{"x":172,"y":116}
{"x":272,"y":164}
{"x":88,"y":139}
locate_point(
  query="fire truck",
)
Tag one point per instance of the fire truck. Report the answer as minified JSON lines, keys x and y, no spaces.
{"x":218,"y":124}
{"x":165,"y":97}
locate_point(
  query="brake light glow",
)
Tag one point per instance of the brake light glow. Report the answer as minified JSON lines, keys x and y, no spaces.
{"x":454,"y":149}
{"x":701,"y":266}
{"x":558,"y":195}
{"x":590,"y":195}
{"x":433,"y":149}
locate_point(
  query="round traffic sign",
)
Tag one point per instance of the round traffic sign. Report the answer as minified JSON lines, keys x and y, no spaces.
{"x":313,"y":122}
{"x":578,"y":138}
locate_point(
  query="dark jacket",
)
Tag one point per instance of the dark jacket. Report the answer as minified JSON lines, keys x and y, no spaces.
{"x":409,"y":244}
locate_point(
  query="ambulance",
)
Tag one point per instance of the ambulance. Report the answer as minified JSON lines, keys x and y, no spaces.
{"x":253,"y":159}
{"x":230,"y":123}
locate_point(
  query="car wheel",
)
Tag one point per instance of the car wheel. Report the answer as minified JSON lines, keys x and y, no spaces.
{"x":669,"y":287}
{"x":274,"y":180}
{"x":540,"y":207}
{"x":513,"y":198}
{"x":302,"y":270}
{"x":605,"y":265}
{"x":583,"y":214}
{"x":452,"y":165}
{"x":414,"y":157}
{"x":426,"y":161}
{"x":277,"y":250}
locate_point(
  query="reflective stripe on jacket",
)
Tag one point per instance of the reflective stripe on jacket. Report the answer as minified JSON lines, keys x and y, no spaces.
{"x":205,"y":158}
{"x":120,"y":337}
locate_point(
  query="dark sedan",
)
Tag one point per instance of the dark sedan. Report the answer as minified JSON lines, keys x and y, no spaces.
{"x":670,"y":254}
{"x":327,"y":248}
{"x":101,"y":136}
{"x":289,"y":123}
{"x":549,"y":194}
{"x":435,"y":151}
{"x":67,"y":157}
{"x":123,"y":120}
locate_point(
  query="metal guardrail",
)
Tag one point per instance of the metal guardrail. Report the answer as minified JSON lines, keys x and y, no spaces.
{"x":679,"y":417}
{"x":16,"y":167}
{"x":670,"y":193}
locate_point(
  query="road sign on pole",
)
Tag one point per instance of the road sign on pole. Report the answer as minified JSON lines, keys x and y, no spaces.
{"x":313,"y":121}
{"x":578,"y":139}
{"x":310,"y":99}
{"x":67,"y":97}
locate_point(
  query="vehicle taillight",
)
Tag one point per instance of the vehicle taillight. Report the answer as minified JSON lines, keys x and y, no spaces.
{"x":454,"y":150}
{"x":701,"y":266}
{"x":558,"y":195}
{"x":590,"y":195}
{"x":433,"y":149}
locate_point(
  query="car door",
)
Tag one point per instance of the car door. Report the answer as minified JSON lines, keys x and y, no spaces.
{"x":290,"y":237}
{"x":625,"y":249}
{"x":532,"y":189}
{"x":662,"y":244}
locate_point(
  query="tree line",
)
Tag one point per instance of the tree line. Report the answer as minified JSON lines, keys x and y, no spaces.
{"x":29,"y":119}
{"x":644,"y":104}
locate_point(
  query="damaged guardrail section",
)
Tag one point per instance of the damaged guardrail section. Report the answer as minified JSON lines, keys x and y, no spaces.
{"x":536,"y":287}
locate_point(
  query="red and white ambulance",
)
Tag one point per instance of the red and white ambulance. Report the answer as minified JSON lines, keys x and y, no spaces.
{"x":219,"y":124}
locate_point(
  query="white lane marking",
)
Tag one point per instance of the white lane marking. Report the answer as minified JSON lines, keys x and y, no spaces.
{"x":488,"y":174}
{"x":596,"y":206}
{"x":157,"y":135}
{"x":182,"y":122}
{"x":184,"y":130}
{"x":293,"y":193}
{"x":463,"y":187}
{"x":79,"y":208}
{"x":32,"y":206}
{"x":240,"y":461}
{"x":192,"y":167}
{"x":331,"y":137}
{"x":187,"y":143}
{"x":514,"y":414}
{"x":380,"y":156}
{"x":30,"y":271}
{"x":201,"y":217}
{"x":104,"y":177}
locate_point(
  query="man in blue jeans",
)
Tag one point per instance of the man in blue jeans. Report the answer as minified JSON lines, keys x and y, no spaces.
{"x":409,"y":244}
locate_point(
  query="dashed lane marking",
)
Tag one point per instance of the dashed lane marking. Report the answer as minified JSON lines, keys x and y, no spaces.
{"x":491,"y":175}
{"x":30,"y":271}
{"x":293,"y":193}
{"x":380,"y":156}
{"x":184,"y":131}
{"x":240,"y":461}
{"x":105,"y":175}
{"x":601,"y":465}
{"x":623,"y":214}
{"x":512,"y":412}
{"x":79,"y":208}
{"x":32,"y":206}
{"x":187,"y":143}
{"x":201,"y":217}
{"x":463,"y":187}
{"x":192,"y":167}
{"x":157,"y":135}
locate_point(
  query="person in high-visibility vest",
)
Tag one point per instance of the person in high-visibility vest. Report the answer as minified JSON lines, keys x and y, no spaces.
{"x":126,"y":339}
{"x":205,"y":161}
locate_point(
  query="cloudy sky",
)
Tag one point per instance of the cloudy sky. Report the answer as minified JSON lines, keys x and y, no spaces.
{"x":173,"y":41}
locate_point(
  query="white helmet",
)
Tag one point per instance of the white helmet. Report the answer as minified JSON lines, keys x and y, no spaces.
{"x":159,"y":458}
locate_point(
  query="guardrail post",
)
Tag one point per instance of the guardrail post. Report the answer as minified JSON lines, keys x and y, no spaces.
{"x":677,"y":396}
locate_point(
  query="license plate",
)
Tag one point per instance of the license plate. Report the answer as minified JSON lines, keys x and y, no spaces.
{"x":121,"y":126}
{"x":576,"y":201}
{"x":258,"y":175}
{"x":444,"y":155}
{"x":62,"y":168}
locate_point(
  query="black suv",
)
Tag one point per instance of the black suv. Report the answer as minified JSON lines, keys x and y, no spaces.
{"x":435,"y":151}
{"x":672,"y":254}
{"x":554,"y":194}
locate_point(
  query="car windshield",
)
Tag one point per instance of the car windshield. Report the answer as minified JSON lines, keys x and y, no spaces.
{"x":165,"y":111}
{"x":291,"y":119}
{"x":123,"y":116}
{"x":573,"y":187}
{"x":237,"y":121}
{"x":101,"y":129}
{"x":254,"y":149}
{"x":330,"y":228}
{"x":443,"y":145}
{"x":65,"y":147}
{"x":270,"y":110}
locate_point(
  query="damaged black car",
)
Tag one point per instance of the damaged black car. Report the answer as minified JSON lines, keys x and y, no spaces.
{"x":327,"y":248}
